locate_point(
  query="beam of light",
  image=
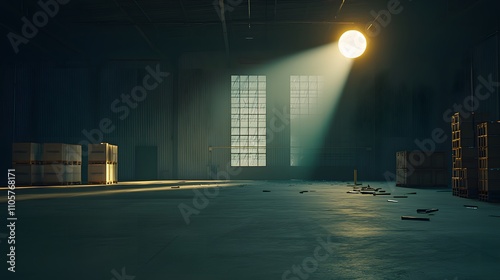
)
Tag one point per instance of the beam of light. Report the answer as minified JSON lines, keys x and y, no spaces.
{"x":352,"y":44}
{"x":325,"y":61}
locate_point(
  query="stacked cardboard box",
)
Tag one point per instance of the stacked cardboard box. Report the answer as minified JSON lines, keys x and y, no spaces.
{"x":26,"y":160}
{"x":62,"y":164}
{"x":419,"y":169}
{"x":488,"y":136}
{"x":103,"y":163}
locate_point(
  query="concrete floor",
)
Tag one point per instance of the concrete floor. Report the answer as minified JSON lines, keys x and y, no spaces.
{"x":242,"y":232}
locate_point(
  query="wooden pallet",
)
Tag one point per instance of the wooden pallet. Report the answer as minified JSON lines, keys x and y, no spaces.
{"x":103,"y":162}
{"x":489,"y":196}
{"x":467,"y":193}
{"x":62,"y":162}
{"x":59,"y":183}
{"x":101,"y":183}
{"x":33,"y":162}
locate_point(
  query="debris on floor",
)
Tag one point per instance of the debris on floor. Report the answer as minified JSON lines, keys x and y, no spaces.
{"x":411,"y":193}
{"x":266,"y":191}
{"x":414,"y":218}
{"x":470,"y":206}
{"x":367,"y":192}
{"x":426,"y":211}
{"x":392,"y":200}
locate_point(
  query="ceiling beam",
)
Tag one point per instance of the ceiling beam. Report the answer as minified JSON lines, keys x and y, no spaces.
{"x":139,"y":29}
{"x":224,"y":26}
{"x":232,"y":22}
{"x":340,"y":9}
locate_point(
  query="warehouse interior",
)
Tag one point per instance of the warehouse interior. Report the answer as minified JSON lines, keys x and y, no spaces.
{"x":171,"y":84}
{"x":59,"y":88}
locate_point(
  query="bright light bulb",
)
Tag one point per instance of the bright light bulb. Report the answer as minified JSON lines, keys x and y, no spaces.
{"x":352,"y":44}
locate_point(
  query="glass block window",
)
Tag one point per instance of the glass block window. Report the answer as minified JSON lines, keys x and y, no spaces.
{"x":248,"y":120}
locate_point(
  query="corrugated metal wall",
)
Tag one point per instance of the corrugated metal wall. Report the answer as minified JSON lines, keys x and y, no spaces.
{"x":7,"y":114}
{"x":62,"y":103}
{"x":194,"y":125}
{"x":146,"y":122}
{"x":204,"y":123}
{"x":485,"y":63}
{"x":219,"y":137}
{"x":55,"y":104}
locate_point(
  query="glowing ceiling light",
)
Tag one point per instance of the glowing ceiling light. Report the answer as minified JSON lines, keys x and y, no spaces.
{"x":352,"y":44}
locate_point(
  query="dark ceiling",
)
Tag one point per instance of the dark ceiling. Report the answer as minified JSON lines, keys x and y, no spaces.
{"x":86,"y":29}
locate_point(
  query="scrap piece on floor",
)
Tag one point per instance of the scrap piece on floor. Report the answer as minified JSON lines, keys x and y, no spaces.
{"x":174,"y":187}
{"x":414,"y":218}
{"x":400,"y":196}
{"x":411,"y":193}
{"x":266,"y":191}
{"x":381,"y":191}
{"x":470,"y":206}
{"x":392,"y":200}
{"x":352,"y":191}
{"x":302,"y":192}
{"x":426,"y":211}
{"x":367,"y":192}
